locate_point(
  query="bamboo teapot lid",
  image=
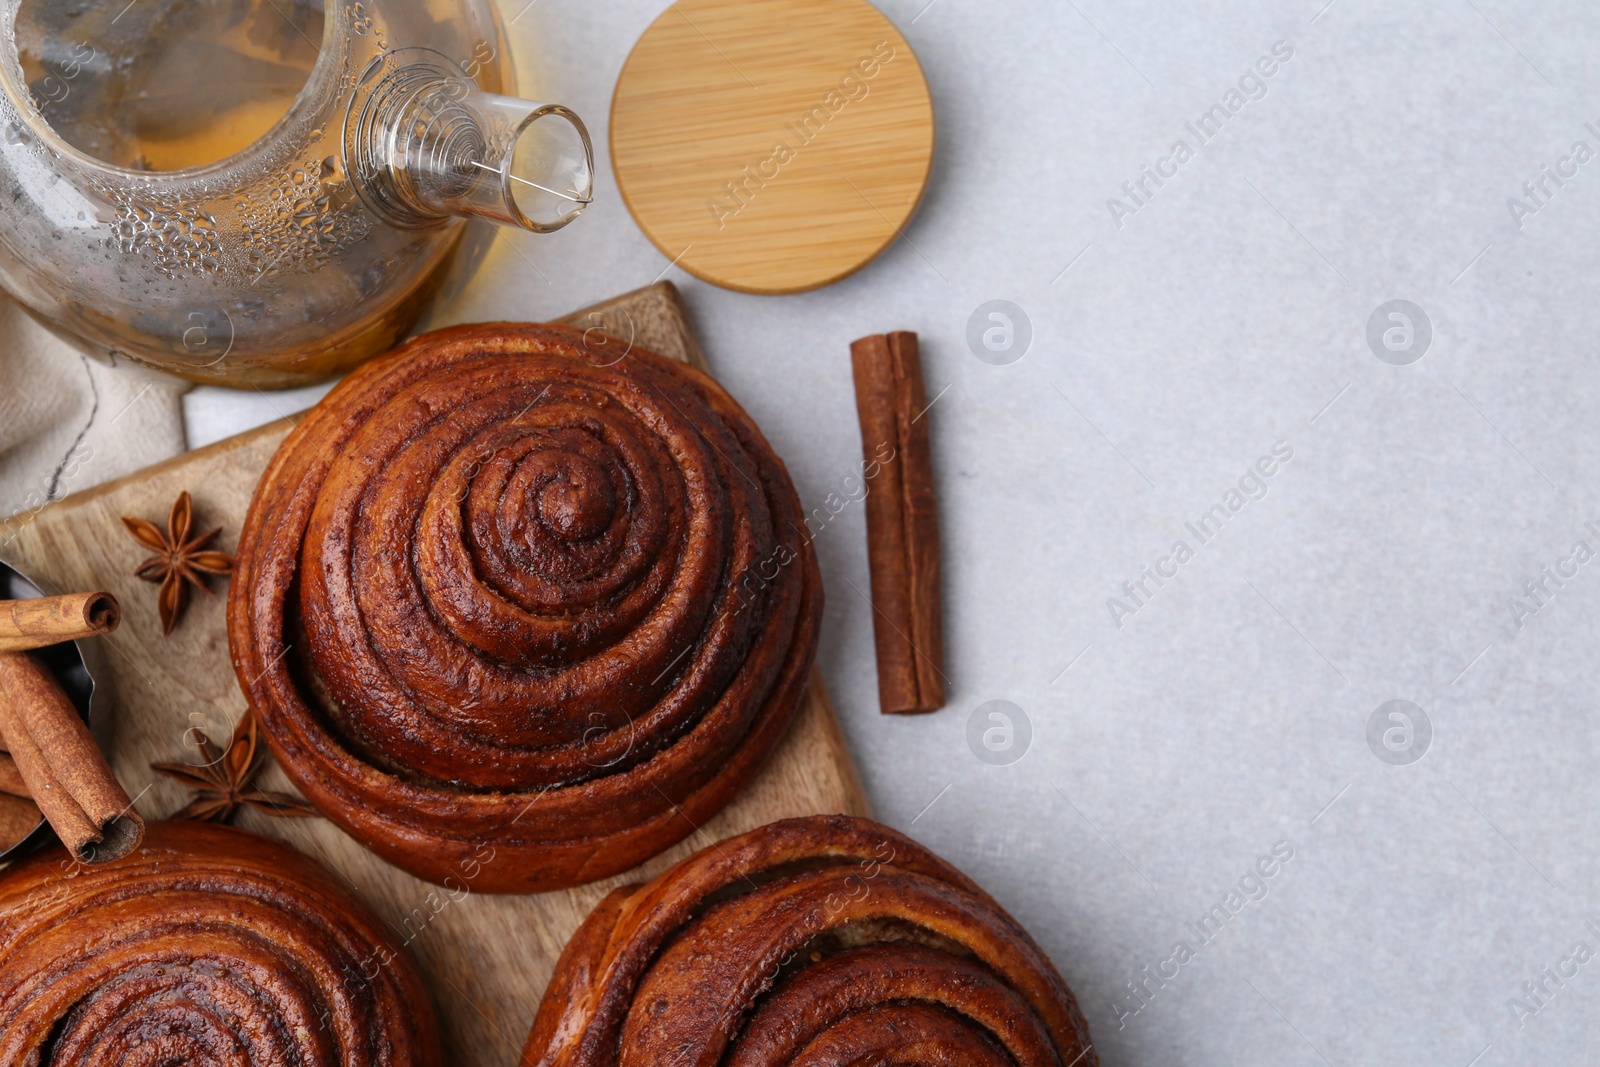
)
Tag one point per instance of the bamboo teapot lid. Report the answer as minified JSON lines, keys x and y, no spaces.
{"x":771,"y":146}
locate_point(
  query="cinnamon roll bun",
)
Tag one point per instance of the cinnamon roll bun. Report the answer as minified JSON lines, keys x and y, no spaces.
{"x":820,"y":941}
{"x":494,"y":599}
{"x":207,"y":946}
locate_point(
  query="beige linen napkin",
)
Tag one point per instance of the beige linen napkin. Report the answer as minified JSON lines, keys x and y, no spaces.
{"x":69,"y":421}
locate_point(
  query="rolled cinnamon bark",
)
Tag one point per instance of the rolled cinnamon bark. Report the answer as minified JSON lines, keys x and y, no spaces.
{"x":18,"y":817}
{"x":61,"y":765}
{"x":11,"y":783}
{"x":50,"y":620}
{"x":902,"y":523}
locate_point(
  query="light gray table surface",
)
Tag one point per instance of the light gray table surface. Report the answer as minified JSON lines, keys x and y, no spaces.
{"x":1179,"y":738}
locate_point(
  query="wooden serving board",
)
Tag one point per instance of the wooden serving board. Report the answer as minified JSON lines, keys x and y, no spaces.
{"x":486,"y":958}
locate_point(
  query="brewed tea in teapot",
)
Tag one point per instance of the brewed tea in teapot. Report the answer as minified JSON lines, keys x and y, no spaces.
{"x":261,"y":192}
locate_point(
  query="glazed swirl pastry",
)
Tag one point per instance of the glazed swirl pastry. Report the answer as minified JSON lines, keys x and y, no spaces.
{"x":207,"y":946}
{"x":494,"y":600}
{"x":823,"y":942}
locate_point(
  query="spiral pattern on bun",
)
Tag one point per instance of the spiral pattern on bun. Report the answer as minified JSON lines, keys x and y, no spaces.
{"x":499,"y":605}
{"x":207,"y":946}
{"x":818,"y":941}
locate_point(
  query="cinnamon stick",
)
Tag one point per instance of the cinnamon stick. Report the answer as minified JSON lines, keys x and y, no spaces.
{"x":11,"y":783}
{"x":18,"y":817}
{"x":902,"y":523}
{"x":50,"y":620}
{"x":61,"y":765}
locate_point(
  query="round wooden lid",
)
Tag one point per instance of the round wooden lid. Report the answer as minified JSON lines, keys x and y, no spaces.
{"x":771,"y":146}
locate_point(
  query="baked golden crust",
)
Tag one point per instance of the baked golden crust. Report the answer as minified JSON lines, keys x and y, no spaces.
{"x":499,"y":607}
{"x":206,"y":946}
{"x":823,"y":940}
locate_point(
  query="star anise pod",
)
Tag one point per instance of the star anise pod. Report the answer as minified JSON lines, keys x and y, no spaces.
{"x":223,"y":781}
{"x":180,"y":560}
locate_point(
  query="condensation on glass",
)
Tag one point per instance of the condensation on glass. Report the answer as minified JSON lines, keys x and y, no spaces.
{"x":261,"y":192}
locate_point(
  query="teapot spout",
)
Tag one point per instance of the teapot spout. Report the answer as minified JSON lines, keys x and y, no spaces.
{"x":423,"y":143}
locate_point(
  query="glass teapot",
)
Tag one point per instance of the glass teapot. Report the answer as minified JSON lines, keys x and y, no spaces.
{"x":261,"y":192}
